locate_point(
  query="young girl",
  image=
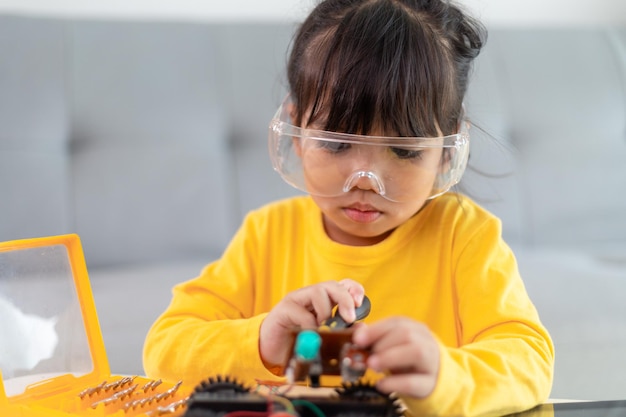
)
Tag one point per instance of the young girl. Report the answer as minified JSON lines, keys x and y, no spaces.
{"x":373,"y":130}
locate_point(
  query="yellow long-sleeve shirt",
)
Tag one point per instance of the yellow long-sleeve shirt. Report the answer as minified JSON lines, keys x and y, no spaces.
{"x":447,"y":267}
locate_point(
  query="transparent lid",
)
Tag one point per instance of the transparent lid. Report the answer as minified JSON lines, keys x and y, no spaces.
{"x":48,"y":321}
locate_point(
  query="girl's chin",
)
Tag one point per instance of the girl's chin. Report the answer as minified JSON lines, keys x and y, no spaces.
{"x":358,"y":236}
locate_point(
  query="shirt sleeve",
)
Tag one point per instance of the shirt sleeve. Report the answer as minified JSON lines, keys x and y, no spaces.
{"x":211,"y":326}
{"x":504,"y":359}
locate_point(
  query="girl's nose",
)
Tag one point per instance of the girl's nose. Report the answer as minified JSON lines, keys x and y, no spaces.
{"x":364,"y":180}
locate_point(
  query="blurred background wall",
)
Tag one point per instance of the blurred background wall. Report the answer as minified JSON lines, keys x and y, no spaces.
{"x":493,"y":12}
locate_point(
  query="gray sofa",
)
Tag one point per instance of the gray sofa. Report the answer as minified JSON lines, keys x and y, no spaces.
{"x":148,"y":139}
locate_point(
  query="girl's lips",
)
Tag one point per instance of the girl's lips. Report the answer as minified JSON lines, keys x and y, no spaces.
{"x":362,"y":214}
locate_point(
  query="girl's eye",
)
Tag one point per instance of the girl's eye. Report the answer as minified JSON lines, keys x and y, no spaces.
{"x":334,"y":147}
{"x":406,"y":153}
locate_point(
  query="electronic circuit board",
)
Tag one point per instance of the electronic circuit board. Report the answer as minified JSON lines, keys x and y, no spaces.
{"x":219,"y":397}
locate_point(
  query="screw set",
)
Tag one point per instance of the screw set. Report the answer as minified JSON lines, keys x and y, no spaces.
{"x":124,"y":394}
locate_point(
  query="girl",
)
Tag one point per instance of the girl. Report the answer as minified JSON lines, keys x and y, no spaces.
{"x":373,"y":131}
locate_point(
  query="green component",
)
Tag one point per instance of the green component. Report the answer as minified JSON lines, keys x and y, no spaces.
{"x":308,"y":344}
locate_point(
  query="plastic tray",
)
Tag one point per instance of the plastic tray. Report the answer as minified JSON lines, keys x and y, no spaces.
{"x":53,"y":360}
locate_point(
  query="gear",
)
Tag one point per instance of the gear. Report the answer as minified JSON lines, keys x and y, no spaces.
{"x":360,"y":390}
{"x":367,"y":392}
{"x":221,"y":385}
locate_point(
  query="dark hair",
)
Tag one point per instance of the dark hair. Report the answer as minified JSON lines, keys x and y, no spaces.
{"x":397,"y":65}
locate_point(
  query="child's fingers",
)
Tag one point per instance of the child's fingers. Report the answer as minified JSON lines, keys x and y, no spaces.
{"x":339,"y":293}
{"x":420,"y":355}
{"x":297,"y":314}
{"x":399,"y":344}
{"x":388,"y":331}
{"x":399,"y":331}
{"x":367,"y":336}
{"x":315,"y":300}
{"x":320,"y":299}
{"x":355,"y":289}
{"x":322,"y":303}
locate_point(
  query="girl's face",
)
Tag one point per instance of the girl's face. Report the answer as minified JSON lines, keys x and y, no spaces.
{"x":365,"y":185}
{"x":361,"y":215}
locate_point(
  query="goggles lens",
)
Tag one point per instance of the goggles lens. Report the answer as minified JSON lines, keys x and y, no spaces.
{"x":329,"y":164}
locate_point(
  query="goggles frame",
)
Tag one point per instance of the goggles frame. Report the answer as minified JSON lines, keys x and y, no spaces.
{"x":280,"y":127}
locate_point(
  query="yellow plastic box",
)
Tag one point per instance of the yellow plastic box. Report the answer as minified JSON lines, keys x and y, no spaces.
{"x":53,"y":361}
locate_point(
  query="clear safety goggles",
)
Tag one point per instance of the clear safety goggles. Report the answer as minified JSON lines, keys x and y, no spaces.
{"x":329,"y":164}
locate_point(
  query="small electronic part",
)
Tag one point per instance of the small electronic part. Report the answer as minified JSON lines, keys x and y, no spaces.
{"x":353,"y":362}
{"x":306,"y":359}
{"x":328,"y":351}
{"x":337,"y":322}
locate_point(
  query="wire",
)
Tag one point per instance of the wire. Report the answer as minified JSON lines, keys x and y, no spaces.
{"x":316,"y":410}
{"x":285,"y":390}
{"x":272,"y":386}
{"x":285,"y":402}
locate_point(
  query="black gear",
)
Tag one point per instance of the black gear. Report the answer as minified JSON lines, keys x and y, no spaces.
{"x":221,"y":384}
{"x":365,"y":391}
{"x":360,"y":390}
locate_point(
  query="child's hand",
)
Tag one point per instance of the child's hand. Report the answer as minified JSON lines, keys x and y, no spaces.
{"x":307,"y":307}
{"x":406,"y":350}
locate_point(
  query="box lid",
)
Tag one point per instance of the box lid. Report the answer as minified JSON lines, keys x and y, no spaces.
{"x":50,"y":334}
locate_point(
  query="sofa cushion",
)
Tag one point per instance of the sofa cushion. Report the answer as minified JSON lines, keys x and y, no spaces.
{"x":566,"y":119}
{"x":124,"y":322}
{"x":150,"y":156}
{"x":580,"y":297}
{"x":34,"y":191}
